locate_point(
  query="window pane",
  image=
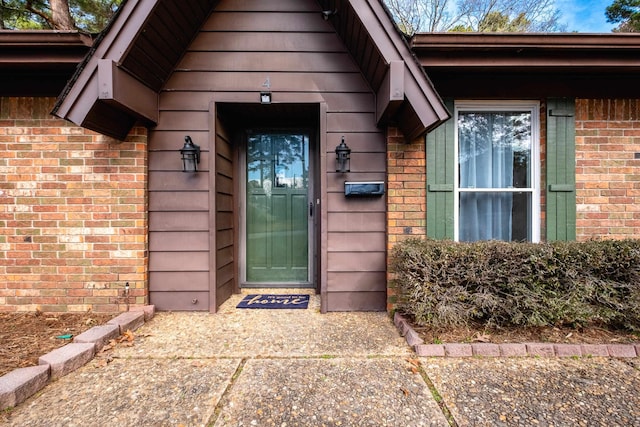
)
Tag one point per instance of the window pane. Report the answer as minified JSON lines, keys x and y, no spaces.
{"x":494,"y":149}
{"x":495,"y":216}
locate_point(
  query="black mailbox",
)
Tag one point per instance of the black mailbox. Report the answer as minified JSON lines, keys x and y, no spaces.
{"x":363,"y":189}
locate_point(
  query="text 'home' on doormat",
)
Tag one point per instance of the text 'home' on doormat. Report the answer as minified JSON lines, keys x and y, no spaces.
{"x":274,"y":301}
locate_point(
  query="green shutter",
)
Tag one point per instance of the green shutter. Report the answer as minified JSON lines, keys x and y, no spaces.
{"x":561,"y":169}
{"x":440,"y":172}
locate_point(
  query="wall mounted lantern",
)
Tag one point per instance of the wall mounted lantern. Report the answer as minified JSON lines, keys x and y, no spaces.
{"x":190,"y":153}
{"x":265,"y":97}
{"x":343,"y":157}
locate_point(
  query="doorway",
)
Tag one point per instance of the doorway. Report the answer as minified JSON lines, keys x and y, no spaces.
{"x":278,"y":209}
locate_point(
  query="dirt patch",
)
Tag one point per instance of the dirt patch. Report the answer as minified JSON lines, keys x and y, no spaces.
{"x":557,"y":335}
{"x":24,"y":337}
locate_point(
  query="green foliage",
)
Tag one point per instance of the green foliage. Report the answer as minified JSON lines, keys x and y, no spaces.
{"x":496,"y":22}
{"x":93,"y":15}
{"x":442,"y":283}
{"x":626,"y":13}
{"x":90,"y":16}
{"x":14,"y":16}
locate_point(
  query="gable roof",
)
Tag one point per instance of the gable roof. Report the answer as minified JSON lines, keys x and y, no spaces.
{"x":119,"y":81}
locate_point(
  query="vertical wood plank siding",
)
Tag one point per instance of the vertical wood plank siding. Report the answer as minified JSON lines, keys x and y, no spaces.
{"x":241,"y":45}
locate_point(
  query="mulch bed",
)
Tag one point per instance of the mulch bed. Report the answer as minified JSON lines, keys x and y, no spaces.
{"x":24,"y":337}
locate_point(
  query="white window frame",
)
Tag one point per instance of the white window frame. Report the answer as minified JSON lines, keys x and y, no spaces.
{"x":479,"y":106}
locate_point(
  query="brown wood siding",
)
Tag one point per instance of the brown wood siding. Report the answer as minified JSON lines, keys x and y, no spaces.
{"x":226,"y":274}
{"x":243,"y":43}
{"x":179,"y":235}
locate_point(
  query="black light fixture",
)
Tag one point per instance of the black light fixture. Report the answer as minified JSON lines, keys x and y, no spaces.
{"x":343,"y":157}
{"x":326,"y":14}
{"x":265,"y":97}
{"x":190,"y":153}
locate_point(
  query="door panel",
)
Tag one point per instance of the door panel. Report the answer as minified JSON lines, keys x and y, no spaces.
{"x":277,"y":214}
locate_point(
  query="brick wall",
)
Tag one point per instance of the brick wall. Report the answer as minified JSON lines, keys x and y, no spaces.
{"x":406,"y":197}
{"x":406,"y":193}
{"x":608,"y":168}
{"x":73,"y":213}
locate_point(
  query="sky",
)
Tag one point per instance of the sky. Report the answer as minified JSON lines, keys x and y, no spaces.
{"x":585,"y":16}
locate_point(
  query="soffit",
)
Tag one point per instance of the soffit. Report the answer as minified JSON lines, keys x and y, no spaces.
{"x":374,"y":41}
{"x":512,"y":65}
{"x":144,"y":40}
{"x":39,"y":63}
{"x":163,"y":38}
{"x":555,"y":51}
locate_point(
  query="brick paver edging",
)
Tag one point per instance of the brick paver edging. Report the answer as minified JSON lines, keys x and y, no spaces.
{"x":510,"y":350}
{"x":20,"y":384}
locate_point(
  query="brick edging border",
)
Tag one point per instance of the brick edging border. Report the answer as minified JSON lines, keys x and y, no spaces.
{"x":20,"y":384}
{"x":510,"y":350}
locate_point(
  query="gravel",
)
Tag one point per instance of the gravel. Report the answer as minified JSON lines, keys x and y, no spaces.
{"x":330,"y":392}
{"x":538,"y":391}
{"x":142,"y":392}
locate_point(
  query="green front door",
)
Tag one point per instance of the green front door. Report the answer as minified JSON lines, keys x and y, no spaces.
{"x":277,"y":208}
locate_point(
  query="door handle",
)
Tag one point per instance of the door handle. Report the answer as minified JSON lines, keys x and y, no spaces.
{"x":310,"y":208}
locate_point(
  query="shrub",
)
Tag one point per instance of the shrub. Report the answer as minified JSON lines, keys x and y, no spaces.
{"x":443,"y":283}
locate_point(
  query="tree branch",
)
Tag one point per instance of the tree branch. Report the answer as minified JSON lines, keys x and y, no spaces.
{"x":29,"y":7}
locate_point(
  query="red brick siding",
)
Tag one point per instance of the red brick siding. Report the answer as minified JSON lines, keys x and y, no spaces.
{"x":406,"y":198}
{"x":73,"y":213}
{"x":607,"y":170}
{"x":406,"y":194}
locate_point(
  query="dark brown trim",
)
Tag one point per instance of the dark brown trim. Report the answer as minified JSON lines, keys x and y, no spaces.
{"x":122,"y":90}
{"x":321,"y":189}
{"x":584,"y":52}
{"x":80,"y":98}
{"x":213,"y":253}
{"x":568,"y":41}
{"x":391,"y":94}
{"x":499,"y":84}
{"x":495,"y":66}
{"x":375,"y":42}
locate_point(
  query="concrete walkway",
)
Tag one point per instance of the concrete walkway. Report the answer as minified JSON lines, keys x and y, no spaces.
{"x":303,"y":368}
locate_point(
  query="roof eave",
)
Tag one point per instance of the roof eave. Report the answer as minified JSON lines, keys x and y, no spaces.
{"x":38,"y":63}
{"x":533,"y":51}
{"x":407,"y":97}
{"x":81,"y":101}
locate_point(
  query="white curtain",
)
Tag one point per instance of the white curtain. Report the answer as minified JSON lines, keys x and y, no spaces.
{"x":486,"y":155}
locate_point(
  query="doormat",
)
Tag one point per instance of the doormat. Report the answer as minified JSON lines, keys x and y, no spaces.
{"x":274,"y":301}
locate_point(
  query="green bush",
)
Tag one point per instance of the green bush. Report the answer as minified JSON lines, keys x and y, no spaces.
{"x":442,"y":283}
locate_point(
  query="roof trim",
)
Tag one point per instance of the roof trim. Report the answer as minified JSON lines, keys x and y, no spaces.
{"x":406,"y":98}
{"x":80,"y":102}
{"x":39,"y":38}
{"x":567,"y":51}
{"x":508,"y":65}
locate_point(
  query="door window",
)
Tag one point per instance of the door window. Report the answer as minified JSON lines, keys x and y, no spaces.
{"x":277,"y":212}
